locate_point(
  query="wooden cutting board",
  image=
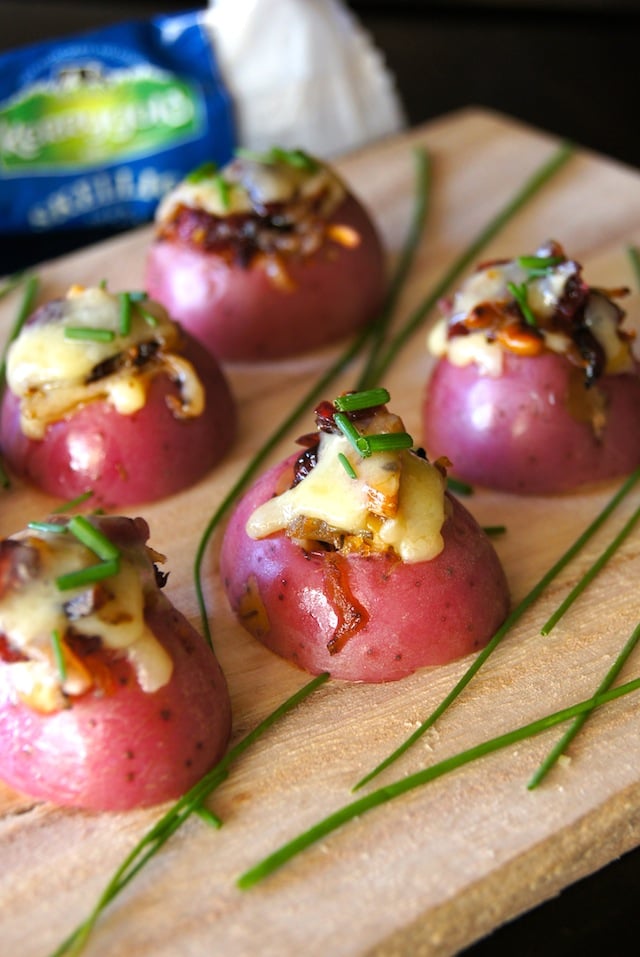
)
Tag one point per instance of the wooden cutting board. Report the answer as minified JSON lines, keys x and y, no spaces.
{"x":445,"y":864}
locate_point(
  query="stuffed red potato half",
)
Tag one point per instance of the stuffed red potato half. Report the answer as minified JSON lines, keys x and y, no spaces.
{"x":269,"y":257}
{"x":109,"y":698}
{"x":105,"y":393}
{"x":535,"y":389}
{"x":361,"y":566}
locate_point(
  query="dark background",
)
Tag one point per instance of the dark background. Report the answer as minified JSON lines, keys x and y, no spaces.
{"x":569,"y":67}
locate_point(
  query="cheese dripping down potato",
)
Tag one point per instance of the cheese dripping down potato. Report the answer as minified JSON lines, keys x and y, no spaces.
{"x":352,"y":558}
{"x":535,"y":389}
{"x":109,"y":698}
{"x":105,"y":393}
{"x":269,"y":257}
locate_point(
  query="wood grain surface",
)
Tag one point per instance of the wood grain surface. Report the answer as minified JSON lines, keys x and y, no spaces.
{"x":445,"y":864}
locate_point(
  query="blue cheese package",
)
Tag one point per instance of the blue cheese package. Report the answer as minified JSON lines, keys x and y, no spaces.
{"x":95,"y":129}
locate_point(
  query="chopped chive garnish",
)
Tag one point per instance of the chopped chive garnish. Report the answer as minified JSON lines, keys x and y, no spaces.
{"x":388,"y":441}
{"x":561,"y":746}
{"x":58,"y":654}
{"x":347,"y":466}
{"x":348,"y":429}
{"x":539,"y":263}
{"x":173,"y":819}
{"x":204,"y":171}
{"x":519,"y":293}
{"x":224,"y":190}
{"x":294,"y":157}
{"x":390,"y":791}
{"x":355,"y":401}
{"x":460,"y":488}
{"x":494,"y":530}
{"x":124,"y":327}
{"x":93,"y":538}
{"x":52,"y":527}
{"x":206,"y":815}
{"x":88,"y":575}
{"x":634,"y":256}
{"x":89,"y":334}
{"x":506,"y":626}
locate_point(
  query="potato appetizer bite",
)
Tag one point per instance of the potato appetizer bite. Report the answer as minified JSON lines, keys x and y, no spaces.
{"x":269,"y":257}
{"x":536,"y":389}
{"x":105,"y":393}
{"x":109,"y":698}
{"x":352,"y":558}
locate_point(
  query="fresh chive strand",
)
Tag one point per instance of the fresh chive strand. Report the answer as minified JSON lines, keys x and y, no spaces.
{"x":173,"y":819}
{"x":634,"y":256}
{"x":591,"y":573}
{"x":494,"y":530}
{"x":89,"y":575}
{"x":74,"y":502}
{"x":25,"y":308}
{"x":507,"y":625}
{"x":460,"y":488}
{"x":366,"y":399}
{"x":422,"y":163}
{"x":5,"y":481}
{"x":124,"y":318}
{"x":58,"y":654}
{"x":358,"y":441}
{"x":347,"y":466}
{"x":519,"y":293}
{"x":538,"y":263}
{"x":390,"y":791}
{"x":92,"y":538}
{"x":53,"y":527}
{"x":388,"y":441}
{"x":563,"y":743}
{"x":467,"y":257}
{"x":89,"y":334}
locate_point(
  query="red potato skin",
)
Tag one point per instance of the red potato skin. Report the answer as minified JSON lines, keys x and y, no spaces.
{"x":240,"y":315}
{"x":126,"y":459}
{"x":125,"y":749}
{"x":426,"y":613}
{"x":514,"y":433}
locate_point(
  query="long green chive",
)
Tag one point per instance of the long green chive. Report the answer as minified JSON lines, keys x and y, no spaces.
{"x":507,"y":625}
{"x":9,"y":283}
{"x":388,"y":441}
{"x":384,"y":794}
{"x":124,"y":327}
{"x":95,"y":540}
{"x":177,"y":814}
{"x":53,"y":528}
{"x":74,"y":502}
{"x":588,"y":577}
{"x":350,"y":432}
{"x":88,"y":334}
{"x":422,"y":163}
{"x":355,"y":401}
{"x":561,"y":746}
{"x":58,"y":654}
{"x":24,"y":311}
{"x":347,"y":466}
{"x":89,"y":575}
{"x":519,"y":293}
{"x":466,"y":258}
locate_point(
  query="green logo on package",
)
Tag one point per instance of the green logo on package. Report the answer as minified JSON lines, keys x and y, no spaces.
{"x":83,"y":118}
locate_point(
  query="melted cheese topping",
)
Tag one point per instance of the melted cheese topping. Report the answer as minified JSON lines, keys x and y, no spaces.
{"x":31,"y":613}
{"x":51,"y":372}
{"x":250,"y":185}
{"x":544,"y":293}
{"x":411,"y":527}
